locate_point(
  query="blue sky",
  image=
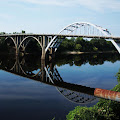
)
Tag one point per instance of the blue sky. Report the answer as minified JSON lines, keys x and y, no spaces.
{"x":50,"y":16}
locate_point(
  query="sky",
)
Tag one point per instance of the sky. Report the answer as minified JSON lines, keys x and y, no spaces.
{"x":50,"y":16}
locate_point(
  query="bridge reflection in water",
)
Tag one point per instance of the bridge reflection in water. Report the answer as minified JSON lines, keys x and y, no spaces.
{"x":48,"y":74}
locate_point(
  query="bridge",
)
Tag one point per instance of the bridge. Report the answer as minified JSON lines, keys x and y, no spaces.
{"x":50,"y":42}
{"x":48,"y":74}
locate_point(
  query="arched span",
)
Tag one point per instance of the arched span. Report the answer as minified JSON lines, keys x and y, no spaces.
{"x":29,"y":41}
{"x":30,"y":75}
{"x":12,"y":40}
{"x":86,"y":29}
{"x":72,"y":96}
{"x":77,"y":25}
{"x":13,"y":66}
{"x":76,"y":97}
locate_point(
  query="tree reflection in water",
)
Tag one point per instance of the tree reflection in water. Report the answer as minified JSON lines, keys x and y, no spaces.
{"x":46,"y":72}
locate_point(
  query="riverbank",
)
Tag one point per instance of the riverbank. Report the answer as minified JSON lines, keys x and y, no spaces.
{"x":103,"y":110}
{"x":78,"y":52}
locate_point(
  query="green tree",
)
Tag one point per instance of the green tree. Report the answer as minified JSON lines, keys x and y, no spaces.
{"x":2,"y":33}
{"x":78,"y":47}
{"x":95,"y":49}
{"x":23,"y":31}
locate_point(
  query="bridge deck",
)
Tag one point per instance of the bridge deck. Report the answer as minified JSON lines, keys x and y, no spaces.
{"x":61,"y":35}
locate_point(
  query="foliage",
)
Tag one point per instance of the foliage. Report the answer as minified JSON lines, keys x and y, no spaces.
{"x":23,"y":31}
{"x":3,"y":45}
{"x":78,"y":47}
{"x":67,"y":44}
{"x":95,"y":49}
{"x":83,"y":113}
{"x":92,"y":59}
{"x":2,"y":33}
{"x":103,"y":110}
{"x":80,"y":44}
{"x":110,"y":109}
{"x":118,"y":76}
{"x":33,"y":47}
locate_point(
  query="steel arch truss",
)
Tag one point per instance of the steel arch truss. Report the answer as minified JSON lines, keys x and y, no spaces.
{"x":78,"y":28}
{"x":73,"y":96}
{"x":77,"y":97}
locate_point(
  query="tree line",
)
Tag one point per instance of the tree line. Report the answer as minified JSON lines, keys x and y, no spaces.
{"x":80,"y":44}
{"x":92,"y":59}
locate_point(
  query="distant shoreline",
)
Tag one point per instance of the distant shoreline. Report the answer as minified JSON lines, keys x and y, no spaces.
{"x":77,"y":52}
{"x":70,"y":52}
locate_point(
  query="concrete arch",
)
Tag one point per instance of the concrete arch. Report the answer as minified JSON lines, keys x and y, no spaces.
{"x":13,"y":66}
{"x":12,"y":40}
{"x":29,"y":41}
{"x":34,"y":75}
{"x":17,"y":63}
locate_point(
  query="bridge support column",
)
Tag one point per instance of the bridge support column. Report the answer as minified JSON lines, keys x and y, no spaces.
{"x":52,"y":53}
{"x":17,"y":66}
{"x":17,"y":51}
{"x":42,"y":69}
{"x":43,"y":47}
{"x":51,"y":66}
{"x":17,"y":44}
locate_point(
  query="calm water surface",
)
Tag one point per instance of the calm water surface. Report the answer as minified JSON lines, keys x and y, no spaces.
{"x":37,"y":98}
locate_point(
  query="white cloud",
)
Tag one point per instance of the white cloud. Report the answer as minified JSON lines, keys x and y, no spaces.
{"x":98,"y":5}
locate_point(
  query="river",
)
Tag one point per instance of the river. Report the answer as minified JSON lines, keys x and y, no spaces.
{"x":31,"y":89}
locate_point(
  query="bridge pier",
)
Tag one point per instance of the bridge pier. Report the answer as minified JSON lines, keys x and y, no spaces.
{"x":17,"y":51}
{"x":43,"y":70}
{"x":52,"y":53}
{"x":44,"y":42}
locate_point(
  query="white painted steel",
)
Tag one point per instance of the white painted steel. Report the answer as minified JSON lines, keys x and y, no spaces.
{"x":86,"y":29}
{"x":117,"y":45}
